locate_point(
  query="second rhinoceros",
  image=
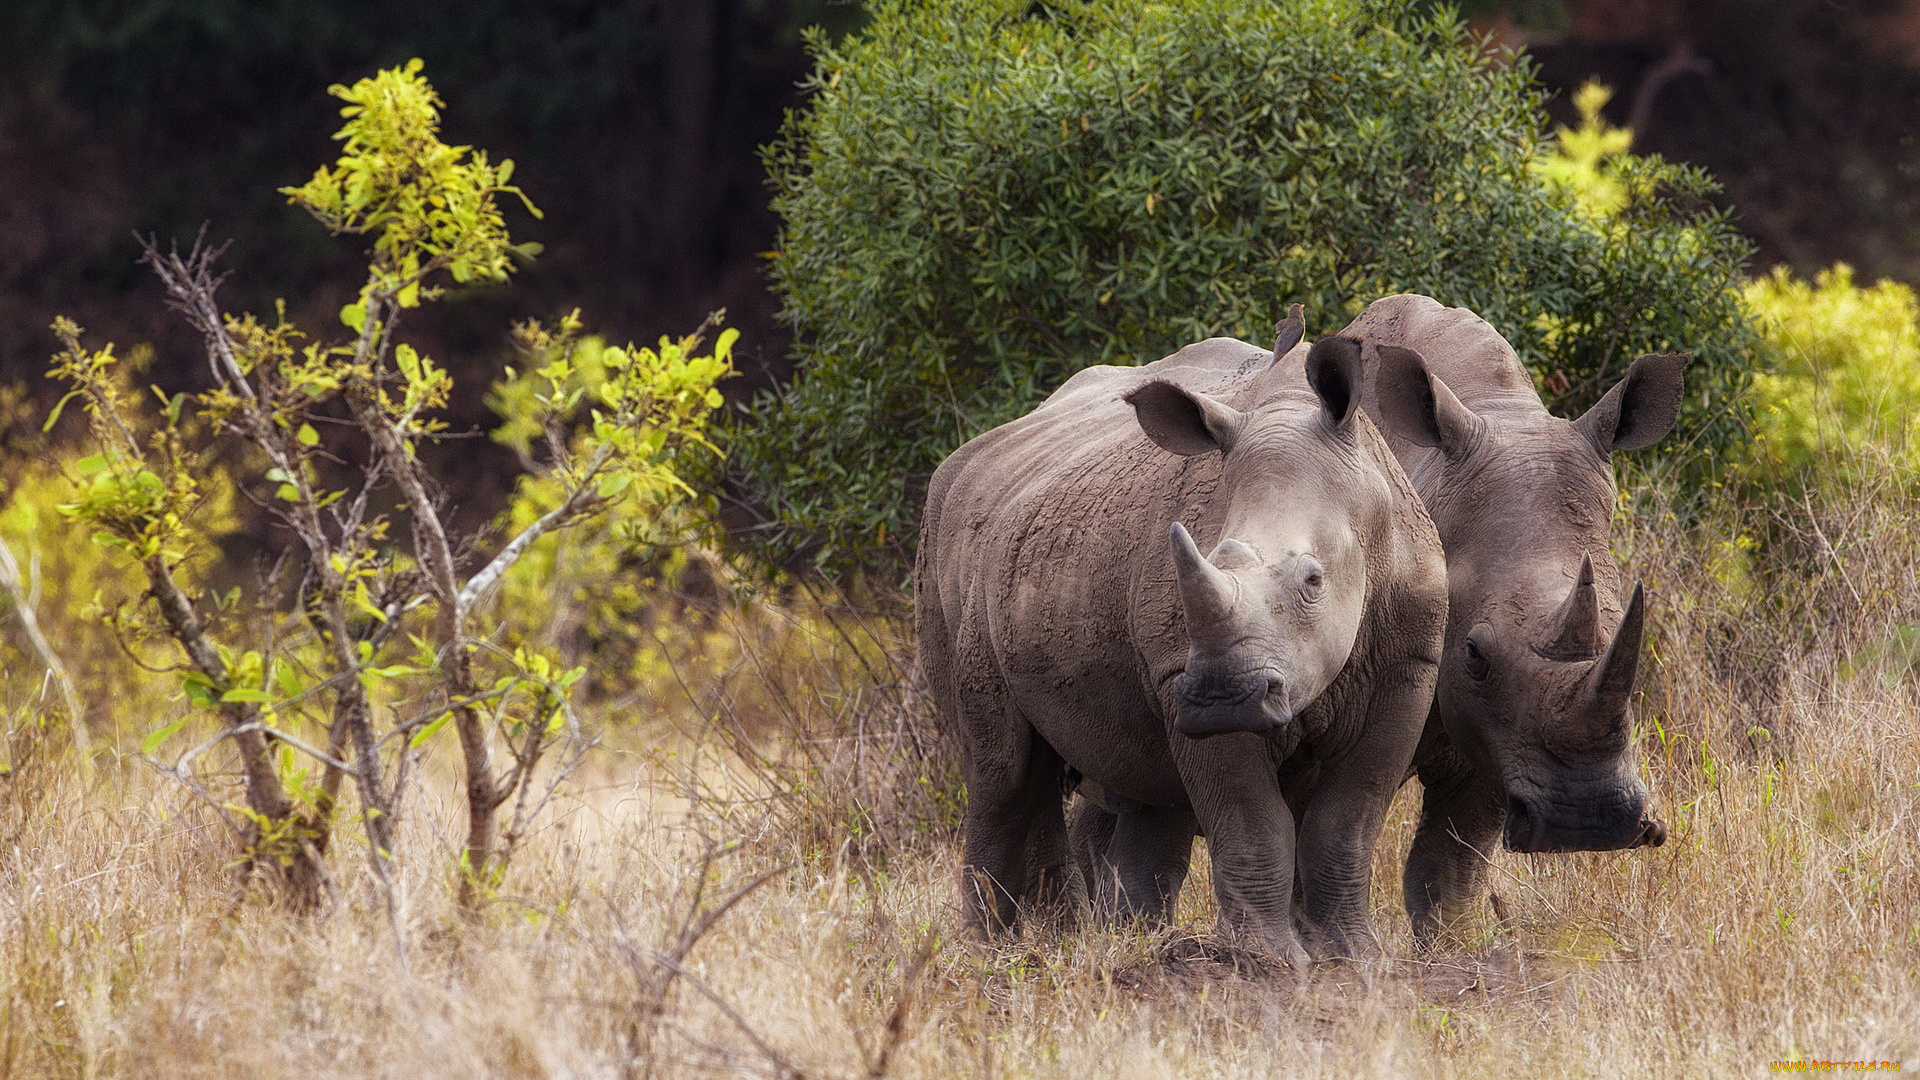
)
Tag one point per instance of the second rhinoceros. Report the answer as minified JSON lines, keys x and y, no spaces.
{"x":1270,"y":693}
{"x":1529,"y":737}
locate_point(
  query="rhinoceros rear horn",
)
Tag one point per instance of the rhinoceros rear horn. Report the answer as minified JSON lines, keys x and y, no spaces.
{"x":1641,"y":407}
{"x":1577,"y":624}
{"x":1336,"y":372}
{"x":1413,"y":403}
{"x":1206,"y":595}
{"x":1612,"y":677}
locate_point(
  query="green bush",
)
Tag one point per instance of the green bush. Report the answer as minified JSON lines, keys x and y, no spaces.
{"x":984,"y":196}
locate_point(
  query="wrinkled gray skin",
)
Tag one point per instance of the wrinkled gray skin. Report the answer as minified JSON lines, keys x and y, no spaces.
{"x":1529,"y":733}
{"x":1271,"y":693}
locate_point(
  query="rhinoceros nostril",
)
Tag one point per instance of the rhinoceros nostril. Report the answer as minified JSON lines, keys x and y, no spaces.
{"x":1523,"y":826}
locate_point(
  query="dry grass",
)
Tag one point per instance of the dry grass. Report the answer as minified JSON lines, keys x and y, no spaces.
{"x":1781,"y":919}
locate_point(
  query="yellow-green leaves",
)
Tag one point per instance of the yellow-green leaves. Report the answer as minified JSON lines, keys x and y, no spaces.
{"x":625,"y":422}
{"x":640,"y":406}
{"x":433,"y":727}
{"x":159,"y":735}
{"x":1580,"y":157}
{"x":532,"y":692}
{"x":1846,"y":384}
{"x":138,"y":488}
{"x":429,"y":206}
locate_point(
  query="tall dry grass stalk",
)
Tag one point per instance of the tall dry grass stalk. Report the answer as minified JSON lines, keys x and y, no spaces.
{"x":1782,"y":918}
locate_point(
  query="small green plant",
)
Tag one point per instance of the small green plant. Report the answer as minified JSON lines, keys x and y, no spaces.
{"x":599,"y":591}
{"x":374,"y":635}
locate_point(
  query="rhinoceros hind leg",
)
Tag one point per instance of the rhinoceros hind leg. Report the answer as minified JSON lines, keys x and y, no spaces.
{"x":1133,"y":862}
{"x":1089,"y":837}
{"x":1015,"y":860}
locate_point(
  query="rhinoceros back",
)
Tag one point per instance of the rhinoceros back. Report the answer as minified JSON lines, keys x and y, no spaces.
{"x":1036,"y":572}
{"x":1059,"y":499}
{"x":1468,"y":354}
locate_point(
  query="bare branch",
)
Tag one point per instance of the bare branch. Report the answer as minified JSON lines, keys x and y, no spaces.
{"x":187,"y":781}
{"x":479,"y":585}
{"x":191,"y":283}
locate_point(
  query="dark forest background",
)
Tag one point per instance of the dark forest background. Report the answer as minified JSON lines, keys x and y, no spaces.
{"x":636,"y":123}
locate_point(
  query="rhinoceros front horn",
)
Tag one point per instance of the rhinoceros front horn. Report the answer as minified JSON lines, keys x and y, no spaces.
{"x":1577,"y":624}
{"x":1612,"y":677}
{"x":1206,"y":594}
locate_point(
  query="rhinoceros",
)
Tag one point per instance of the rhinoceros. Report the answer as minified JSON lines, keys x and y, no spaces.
{"x":1529,"y":732}
{"x":1270,"y":693}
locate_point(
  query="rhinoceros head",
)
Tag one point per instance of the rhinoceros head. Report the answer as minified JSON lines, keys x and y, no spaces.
{"x":1541,"y":652}
{"x":1272,"y":613}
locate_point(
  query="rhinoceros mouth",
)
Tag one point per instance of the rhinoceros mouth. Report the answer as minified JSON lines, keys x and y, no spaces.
{"x":1534,"y":826}
{"x":1221,"y":704}
{"x":1215,"y":691}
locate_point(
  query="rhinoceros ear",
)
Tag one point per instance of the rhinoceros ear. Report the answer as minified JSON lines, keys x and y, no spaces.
{"x":1640,"y":408}
{"x":1182,"y":421}
{"x":1413,"y":403}
{"x":1337,"y":373}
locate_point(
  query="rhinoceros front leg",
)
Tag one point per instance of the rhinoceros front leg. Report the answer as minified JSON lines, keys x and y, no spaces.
{"x":1250,"y":836}
{"x":1460,"y":819}
{"x":1133,"y":859}
{"x":1341,"y":822}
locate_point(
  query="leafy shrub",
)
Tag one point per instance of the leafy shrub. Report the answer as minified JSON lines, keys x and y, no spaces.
{"x":984,"y":196}
{"x":598,"y":591}
{"x":343,"y":676}
{"x":64,"y":582}
{"x":1846,"y":381}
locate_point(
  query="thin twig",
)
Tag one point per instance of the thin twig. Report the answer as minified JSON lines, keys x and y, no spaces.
{"x":896,"y":1029}
{"x":30,"y":624}
{"x":773,"y":1056}
{"x":478,"y":586}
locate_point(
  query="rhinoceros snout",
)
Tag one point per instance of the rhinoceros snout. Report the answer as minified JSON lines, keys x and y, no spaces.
{"x":1542,"y":825}
{"x":1215,"y":704}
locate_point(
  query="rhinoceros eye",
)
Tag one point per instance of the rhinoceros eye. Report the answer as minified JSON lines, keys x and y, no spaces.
{"x":1313,"y":578}
{"x":1476,"y":659}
